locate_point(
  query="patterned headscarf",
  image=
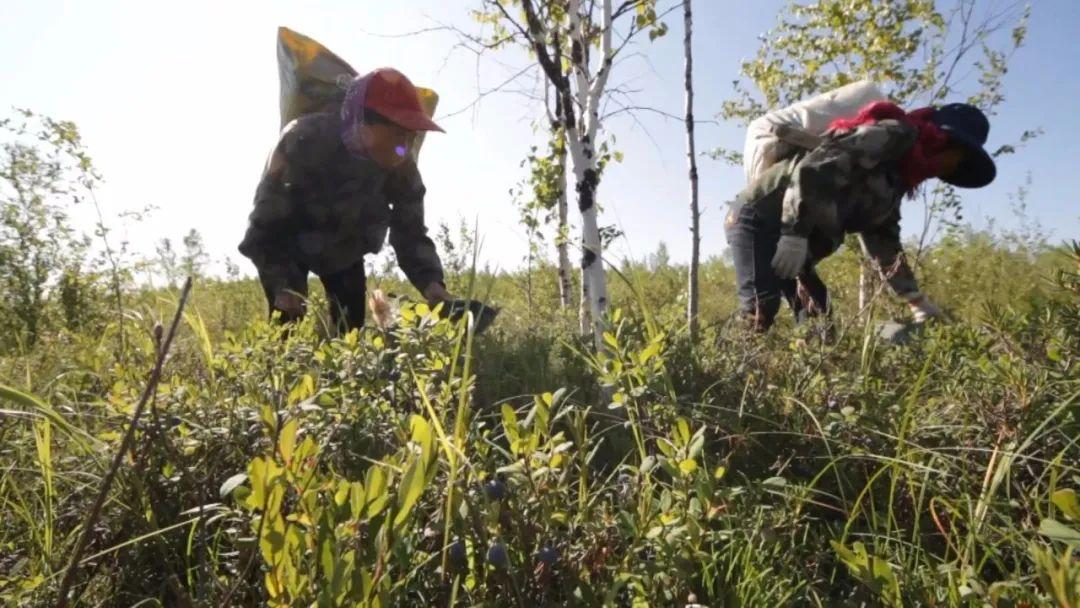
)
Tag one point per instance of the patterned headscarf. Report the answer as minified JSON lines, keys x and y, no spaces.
{"x":918,"y":164}
{"x":352,"y":114}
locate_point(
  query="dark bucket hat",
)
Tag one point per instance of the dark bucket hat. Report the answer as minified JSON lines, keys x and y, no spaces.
{"x":968,"y":126}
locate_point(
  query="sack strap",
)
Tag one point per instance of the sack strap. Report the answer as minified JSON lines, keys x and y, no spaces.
{"x":795,"y":136}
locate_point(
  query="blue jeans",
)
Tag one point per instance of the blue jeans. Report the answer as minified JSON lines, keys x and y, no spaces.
{"x":752,"y":237}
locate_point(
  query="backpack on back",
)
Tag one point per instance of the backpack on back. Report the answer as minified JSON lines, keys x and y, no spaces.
{"x":781,"y":132}
{"x":313,"y":79}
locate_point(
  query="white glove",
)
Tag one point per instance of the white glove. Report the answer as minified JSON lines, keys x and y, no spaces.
{"x":790,"y":258}
{"x":922,"y":308}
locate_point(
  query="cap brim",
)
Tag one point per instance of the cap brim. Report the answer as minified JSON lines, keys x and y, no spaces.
{"x":410,"y":119}
{"x":977,"y":169}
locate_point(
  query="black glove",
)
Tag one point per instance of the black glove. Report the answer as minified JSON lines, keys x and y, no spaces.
{"x":483,"y":315}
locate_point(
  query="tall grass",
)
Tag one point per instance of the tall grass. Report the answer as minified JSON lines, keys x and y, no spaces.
{"x":425,"y":465}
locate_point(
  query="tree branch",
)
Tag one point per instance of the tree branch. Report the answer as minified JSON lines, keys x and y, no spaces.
{"x":482,"y":94}
{"x":508,"y":17}
{"x":125,"y":442}
{"x":627,"y":109}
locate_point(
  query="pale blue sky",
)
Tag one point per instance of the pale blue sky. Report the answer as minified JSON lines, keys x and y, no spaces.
{"x":178,"y":105}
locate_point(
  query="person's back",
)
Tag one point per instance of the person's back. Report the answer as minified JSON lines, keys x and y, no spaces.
{"x":340,"y":204}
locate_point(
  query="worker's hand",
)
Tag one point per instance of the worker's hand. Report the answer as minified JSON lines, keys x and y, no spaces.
{"x":790,"y":258}
{"x":922,"y":308}
{"x":435,"y":293}
{"x":288,"y":303}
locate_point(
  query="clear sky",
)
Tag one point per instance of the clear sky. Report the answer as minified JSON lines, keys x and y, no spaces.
{"x":178,"y":103}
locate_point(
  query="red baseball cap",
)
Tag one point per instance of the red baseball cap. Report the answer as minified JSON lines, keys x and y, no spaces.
{"x":392,"y":94}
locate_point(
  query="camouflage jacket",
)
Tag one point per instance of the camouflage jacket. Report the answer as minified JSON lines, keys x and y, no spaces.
{"x":848,"y":184}
{"x":320,"y":208}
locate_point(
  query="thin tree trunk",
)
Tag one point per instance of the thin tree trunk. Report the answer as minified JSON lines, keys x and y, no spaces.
{"x":561,"y":244}
{"x":695,"y":213}
{"x":864,"y":286}
{"x":528,"y":277}
{"x":584,"y":318}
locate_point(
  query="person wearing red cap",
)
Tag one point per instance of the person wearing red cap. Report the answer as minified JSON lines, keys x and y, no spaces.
{"x":335,"y":185}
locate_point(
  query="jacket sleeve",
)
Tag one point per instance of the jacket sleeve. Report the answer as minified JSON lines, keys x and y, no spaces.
{"x":882,"y":246}
{"x":415,"y":250}
{"x":816,"y":179}
{"x":268,"y":240}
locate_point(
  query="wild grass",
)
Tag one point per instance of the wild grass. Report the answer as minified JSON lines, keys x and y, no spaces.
{"x":424,"y":465}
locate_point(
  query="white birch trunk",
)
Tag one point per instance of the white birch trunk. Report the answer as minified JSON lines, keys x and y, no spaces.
{"x":583,"y":150}
{"x":582,"y":107}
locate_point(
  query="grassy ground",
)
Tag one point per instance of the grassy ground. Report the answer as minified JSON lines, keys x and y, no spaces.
{"x":417,"y":467}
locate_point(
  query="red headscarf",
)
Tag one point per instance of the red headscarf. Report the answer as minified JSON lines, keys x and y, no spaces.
{"x":918,"y":164}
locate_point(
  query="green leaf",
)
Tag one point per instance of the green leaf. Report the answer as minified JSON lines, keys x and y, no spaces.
{"x":422,"y":436}
{"x":884,"y":572}
{"x":257,"y":474}
{"x":44,"y":410}
{"x":775,"y":482}
{"x":845,"y":554}
{"x":305,"y":388}
{"x":272,"y":542}
{"x":231,"y":484}
{"x":697,"y":444}
{"x":514,"y":468}
{"x":683,"y":430}
{"x":327,"y":555}
{"x":412,"y":486}
{"x":666,"y":447}
{"x":510,"y":422}
{"x":610,"y":340}
{"x":1068,"y":502}
{"x":308,"y":449}
{"x":1055,"y":530}
{"x":650,"y":351}
{"x":541,"y":414}
{"x":376,"y":496}
{"x":287,"y":440}
{"x":356,"y":499}
{"x":342,"y":494}
{"x":275,"y":490}
{"x":269,"y":418}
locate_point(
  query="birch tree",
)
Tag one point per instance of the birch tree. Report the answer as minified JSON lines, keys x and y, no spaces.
{"x":574,"y":45}
{"x":691,"y":155}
